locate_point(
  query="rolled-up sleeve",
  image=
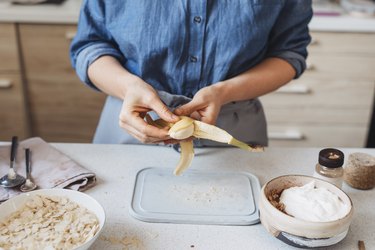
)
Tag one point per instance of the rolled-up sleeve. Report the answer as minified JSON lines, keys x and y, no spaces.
{"x":290,"y":35}
{"x":92,"y":40}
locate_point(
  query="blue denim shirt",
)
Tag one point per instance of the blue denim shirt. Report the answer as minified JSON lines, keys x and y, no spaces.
{"x":182,"y":46}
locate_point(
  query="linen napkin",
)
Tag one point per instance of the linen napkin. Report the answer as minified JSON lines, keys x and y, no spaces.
{"x":49,"y":168}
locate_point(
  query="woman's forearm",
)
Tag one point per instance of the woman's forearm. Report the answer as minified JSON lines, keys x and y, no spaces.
{"x":266,"y":77}
{"x":108,"y":75}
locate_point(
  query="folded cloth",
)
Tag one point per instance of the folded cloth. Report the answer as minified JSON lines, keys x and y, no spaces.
{"x":49,"y":168}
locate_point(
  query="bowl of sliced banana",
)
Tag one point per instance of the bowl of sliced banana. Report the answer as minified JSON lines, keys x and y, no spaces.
{"x":50,"y":219}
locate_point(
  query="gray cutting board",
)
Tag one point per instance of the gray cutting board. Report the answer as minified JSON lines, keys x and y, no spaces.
{"x":196,"y":197}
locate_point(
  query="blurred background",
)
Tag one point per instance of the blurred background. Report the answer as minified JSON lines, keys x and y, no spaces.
{"x":332,"y":104}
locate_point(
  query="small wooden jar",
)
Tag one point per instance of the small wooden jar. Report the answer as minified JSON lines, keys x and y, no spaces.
{"x":359,"y":171}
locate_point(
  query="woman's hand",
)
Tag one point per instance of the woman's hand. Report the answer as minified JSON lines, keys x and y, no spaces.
{"x":205,"y":106}
{"x":139,"y":99}
{"x":267,"y":76}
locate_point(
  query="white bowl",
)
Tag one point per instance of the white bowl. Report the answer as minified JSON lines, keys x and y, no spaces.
{"x":297,"y":232}
{"x":84,"y":200}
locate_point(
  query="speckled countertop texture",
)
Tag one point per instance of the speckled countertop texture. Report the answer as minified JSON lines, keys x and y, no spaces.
{"x":116,"y":167}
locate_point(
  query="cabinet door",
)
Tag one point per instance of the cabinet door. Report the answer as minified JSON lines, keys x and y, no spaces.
{"x":330,"y":105}
{"x":8,"y":48}
{"x":317,"y":135}
{"x":13,"y":119}
{"x":12,"y":108}
{"x":62,"y":108}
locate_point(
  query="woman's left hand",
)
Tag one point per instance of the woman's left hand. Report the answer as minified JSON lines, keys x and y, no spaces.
{"x":205,"y":106}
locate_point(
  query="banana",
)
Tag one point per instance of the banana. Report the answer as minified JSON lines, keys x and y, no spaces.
{"x":187,"y":127}
{"x":187,"y":155}
{"x":182,"y":129}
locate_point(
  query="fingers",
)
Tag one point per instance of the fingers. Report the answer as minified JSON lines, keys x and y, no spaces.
{"x":142,"y":137}
{"x":205,"y":112}
{"x":209,"y":115}
{"x":188,"y":108}
{"x":196,"y":116}
{"x":163,"y":111}
{"x":144,"y":132}
{"x":171,"y":141}
{"x":209,"y":119}
{"x":139,"y":100}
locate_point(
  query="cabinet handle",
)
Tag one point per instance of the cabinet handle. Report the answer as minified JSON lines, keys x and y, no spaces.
{"x":290,"y":135}
{"x":294,"y":89}
{"x":5,"y":83}
{"x":69,"y":35}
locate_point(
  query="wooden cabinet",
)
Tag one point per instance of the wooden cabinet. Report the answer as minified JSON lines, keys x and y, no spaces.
{"x":13,"y":115}
{"x":62,"y":108}
{"x":330,"y":105}
{"x":8,"y":48}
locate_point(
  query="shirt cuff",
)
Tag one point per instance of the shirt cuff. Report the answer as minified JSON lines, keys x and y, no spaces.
{"x":91,"y":53}
{"x":297,"y":61}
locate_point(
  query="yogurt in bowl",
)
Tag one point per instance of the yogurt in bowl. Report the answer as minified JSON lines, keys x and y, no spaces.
{"x":314,"y":220}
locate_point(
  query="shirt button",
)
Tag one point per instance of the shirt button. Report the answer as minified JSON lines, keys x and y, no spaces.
{"x":193,"y":59}
{"x":197,"y":19}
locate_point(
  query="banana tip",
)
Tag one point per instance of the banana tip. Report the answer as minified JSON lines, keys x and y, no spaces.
{"x":256,"y":148}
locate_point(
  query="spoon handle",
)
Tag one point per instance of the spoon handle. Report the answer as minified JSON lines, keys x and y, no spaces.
{"x":27,"y":159}
{"x":13,"y":150}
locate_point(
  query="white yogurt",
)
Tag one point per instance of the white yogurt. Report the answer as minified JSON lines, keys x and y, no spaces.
{"x":313,"y":204}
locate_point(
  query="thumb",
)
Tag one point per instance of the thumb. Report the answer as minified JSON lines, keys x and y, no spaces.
{"x":186,"y":109}
{"x":164,"y":113}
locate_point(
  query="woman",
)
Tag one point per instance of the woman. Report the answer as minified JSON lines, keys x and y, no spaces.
{"x":207,"y":59}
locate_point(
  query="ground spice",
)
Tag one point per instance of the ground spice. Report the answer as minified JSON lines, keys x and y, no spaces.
{"x":359,"y":171}
{"x":274,"y":199}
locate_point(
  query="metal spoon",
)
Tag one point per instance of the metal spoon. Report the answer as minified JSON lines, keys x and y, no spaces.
{"x":29,"y":185}
{"x":12,"y":179}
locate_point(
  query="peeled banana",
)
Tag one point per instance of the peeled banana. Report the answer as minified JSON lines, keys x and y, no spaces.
{"x":187,"y":127}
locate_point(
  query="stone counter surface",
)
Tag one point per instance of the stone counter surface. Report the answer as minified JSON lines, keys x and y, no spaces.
{"x":65,"y":13}
{"x":68,"y":13}
{"x":116,"y":167}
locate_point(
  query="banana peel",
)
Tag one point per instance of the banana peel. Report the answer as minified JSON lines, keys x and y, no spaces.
{"x":187,"y":127}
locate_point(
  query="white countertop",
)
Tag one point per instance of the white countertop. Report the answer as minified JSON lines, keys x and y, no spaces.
{"x":68,"y":13}
{"x":65,"y":13}
{"x":344,"y":23}
{"x":116,"y":167}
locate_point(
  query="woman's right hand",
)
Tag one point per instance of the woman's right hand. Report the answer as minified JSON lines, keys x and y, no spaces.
{"x":140,"y":98}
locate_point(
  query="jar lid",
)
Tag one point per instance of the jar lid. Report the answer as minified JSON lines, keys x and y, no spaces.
{"x":331,"y":158}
